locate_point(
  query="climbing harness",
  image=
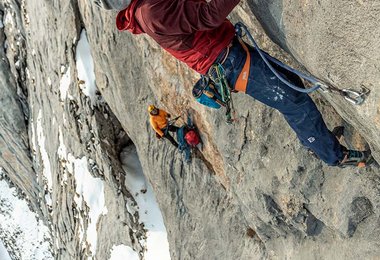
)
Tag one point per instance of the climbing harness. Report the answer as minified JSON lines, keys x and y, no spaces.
{"x":352,"y":96}
{"x":217,"y":74}
{"x":170,"y":122}
{"x":242,"y":80}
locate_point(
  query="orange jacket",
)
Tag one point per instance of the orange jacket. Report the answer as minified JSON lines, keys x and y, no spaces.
{"x":159,"y":121}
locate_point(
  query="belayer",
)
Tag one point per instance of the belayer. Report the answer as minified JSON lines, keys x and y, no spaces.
{"x":197,"y":33}
{"x":159,"y":121}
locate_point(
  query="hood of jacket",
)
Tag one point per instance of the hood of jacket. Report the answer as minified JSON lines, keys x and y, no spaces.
{"x":125,"y":19}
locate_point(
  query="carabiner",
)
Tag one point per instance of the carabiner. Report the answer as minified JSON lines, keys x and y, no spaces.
{"x":353,"y":96}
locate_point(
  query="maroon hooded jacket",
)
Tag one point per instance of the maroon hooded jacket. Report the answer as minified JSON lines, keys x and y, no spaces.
{"x":193,"y":31}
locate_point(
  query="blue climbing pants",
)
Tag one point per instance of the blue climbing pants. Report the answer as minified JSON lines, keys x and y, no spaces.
{"x":298,"y":108}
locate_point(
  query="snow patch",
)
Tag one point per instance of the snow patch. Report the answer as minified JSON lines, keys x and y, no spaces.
{"x":149,"y":211}
{"x":64,"y":84}
{"x":44,"y":155}
{"x":123,"y":252}
{"x":28,"y":236}
{"x":8,"y":20}
{"x":92,"y":191}
{"x":34,"y":145}
{"x":62,"y":151}
{"x":88,"y":189}
{"x":27,"y":73}
{"x":85,"y":67}
{"x":4,"y":255}
{"x":105,"y":211}
{"x":63,"y":68}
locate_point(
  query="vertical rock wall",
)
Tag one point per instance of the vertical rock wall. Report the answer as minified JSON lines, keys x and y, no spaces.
{"x":252,"y":192}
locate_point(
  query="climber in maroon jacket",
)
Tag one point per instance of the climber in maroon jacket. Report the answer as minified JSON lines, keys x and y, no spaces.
{"x":197,"y":33}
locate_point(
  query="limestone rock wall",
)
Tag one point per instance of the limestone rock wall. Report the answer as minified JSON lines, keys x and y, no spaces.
{"x":15,"y":156}
{"x":252,"y":192}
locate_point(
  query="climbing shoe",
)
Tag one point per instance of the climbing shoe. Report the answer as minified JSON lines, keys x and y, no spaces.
{"x":355,"y":158}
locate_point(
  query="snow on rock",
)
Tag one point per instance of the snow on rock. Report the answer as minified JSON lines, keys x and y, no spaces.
{"x":34,"y":144}
{"x":64,"y":84}
{"x":8,"y":19}
{"x":62,"y":154}
{"x":44,"y":155}
{"x":123,"y":252}
{"x":149,"y":212}
{"x":4,"y":255}
{"x":20,"y":229}
{"x":85,"y":67}
{"x":88,"y":188}
{"x":62,"y":151}
{"x":92,"y":191}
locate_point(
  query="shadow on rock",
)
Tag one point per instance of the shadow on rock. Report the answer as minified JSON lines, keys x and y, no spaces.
{"x":269,"y":14}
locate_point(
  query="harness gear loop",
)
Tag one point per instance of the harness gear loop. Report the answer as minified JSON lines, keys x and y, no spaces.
{"x":352,"y":96}
{"x":217,"y":74}
{"x":212,"y":96}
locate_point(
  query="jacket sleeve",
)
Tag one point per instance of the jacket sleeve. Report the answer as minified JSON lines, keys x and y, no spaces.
{"x":156,"y":128}
{"x":201,"y":16}
{"x":185,"y":16}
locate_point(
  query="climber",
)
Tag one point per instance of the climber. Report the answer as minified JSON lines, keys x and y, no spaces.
{"x":198,"y":34}
{"x":159,"y":122}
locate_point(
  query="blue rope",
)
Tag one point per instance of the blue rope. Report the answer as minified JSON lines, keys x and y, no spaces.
{"x":265,"y":58}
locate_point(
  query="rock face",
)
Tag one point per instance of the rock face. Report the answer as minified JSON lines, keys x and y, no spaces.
{"x":252,"y":192}
{"x":15,"y":155}
{"x":333,"y":40}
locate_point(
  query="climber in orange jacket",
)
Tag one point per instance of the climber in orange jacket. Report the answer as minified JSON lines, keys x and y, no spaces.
{"x":160,"y":124}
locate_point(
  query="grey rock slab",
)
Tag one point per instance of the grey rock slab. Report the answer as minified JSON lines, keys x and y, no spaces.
{"x":252,"y":192}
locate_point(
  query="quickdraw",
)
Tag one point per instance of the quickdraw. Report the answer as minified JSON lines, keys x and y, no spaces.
{"x":350,"y":95}
{"x":217,"y":75}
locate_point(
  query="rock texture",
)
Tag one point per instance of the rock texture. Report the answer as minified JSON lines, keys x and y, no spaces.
{"x":14,"y":148}
{"x":252,"y":192}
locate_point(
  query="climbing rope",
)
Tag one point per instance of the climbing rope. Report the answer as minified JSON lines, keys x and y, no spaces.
{"x":172,"y":121}
{"x":352,"y":96}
